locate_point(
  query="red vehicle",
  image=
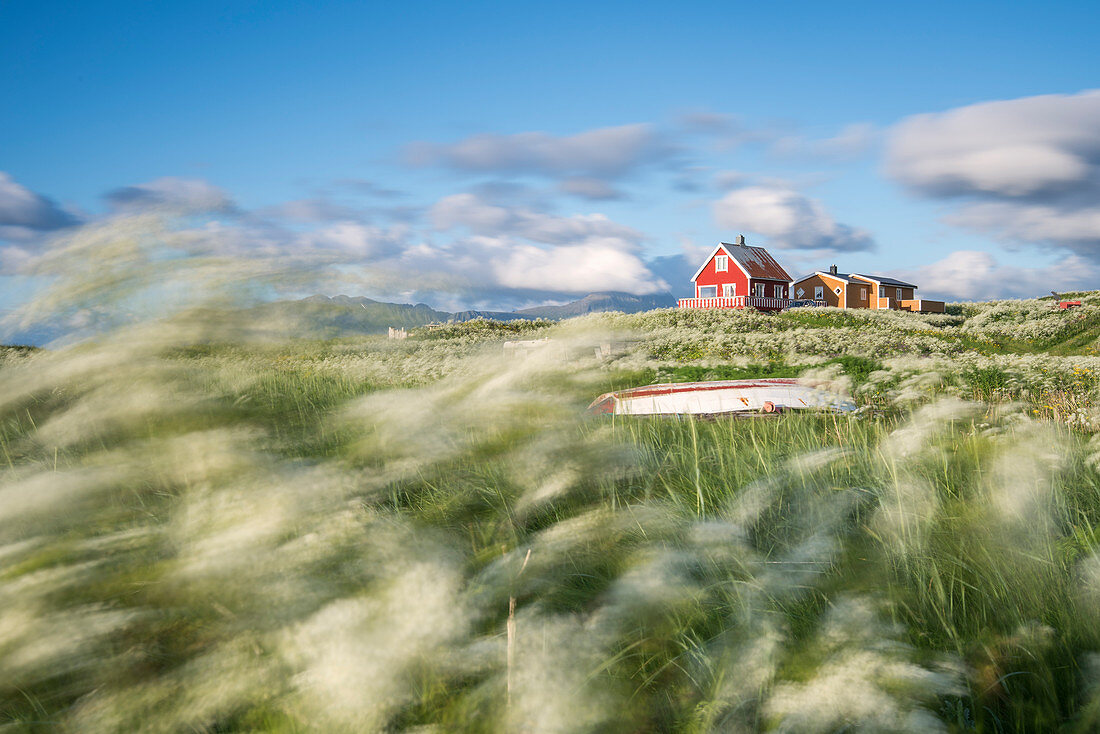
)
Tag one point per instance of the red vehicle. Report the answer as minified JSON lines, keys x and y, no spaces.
{"x":1064,"y":304}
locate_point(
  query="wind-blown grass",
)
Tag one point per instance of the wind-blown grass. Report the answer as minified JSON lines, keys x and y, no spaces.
{"x":203,"y":533}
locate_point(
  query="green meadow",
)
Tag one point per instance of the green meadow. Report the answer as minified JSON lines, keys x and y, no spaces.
{"x":216,"y":528}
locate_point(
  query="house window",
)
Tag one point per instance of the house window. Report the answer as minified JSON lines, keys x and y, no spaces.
{"x":819,"y":292}
{"x":863,"y":294}
{"x":800,"y":293}
{"x":899,"y":294}
{"x":721,"y":263}
{"x":758,"y":290}
{"x":777,"y":291}
{"x":708,"y":291}
{"x":729,"y":289}
{"x":882,"y":291}
{"x":837,"y":290}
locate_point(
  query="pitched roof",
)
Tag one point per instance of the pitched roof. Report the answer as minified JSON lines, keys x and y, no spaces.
{"x":843,"y":277}
{"x":883,"y":280}
{"x":756,"y":262}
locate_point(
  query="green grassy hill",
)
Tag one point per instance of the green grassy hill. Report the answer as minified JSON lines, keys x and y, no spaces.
{"x":431,"y":534}
{"x":322,"y":317}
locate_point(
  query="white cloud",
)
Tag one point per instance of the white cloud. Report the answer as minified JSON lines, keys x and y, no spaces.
{"x":789,"y":219}
{"x":309,"y":210}
{"x":1026,"y":170}
{"x":492,"y":266}
{"x":522,"y":249}
{"x":975,"y":275}
{"x":851,"y":141}
{"x":481,"y":251}
{"x":171,"y":193}
{"x":589,"y":188}
{"x":707,"y":121}
{"x":484,"y":218}
{"x":726,"y":180}
{"x":1008,"y":148}
{"x":730,"y":131}
{"x":780,"y":137}
{"x":361,"y":242}
{"x":24,"y":213}
{"x":603,"y":152}
{"x":596,"y":265}
{"x":14,"y":258}
{"x":1031,"y":222}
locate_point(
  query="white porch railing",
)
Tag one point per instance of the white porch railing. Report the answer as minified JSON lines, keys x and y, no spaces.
{"x":761,"y":302}
{"x":714,"y":302}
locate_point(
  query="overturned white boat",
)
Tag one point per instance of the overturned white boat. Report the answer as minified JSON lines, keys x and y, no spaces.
{"x":773,"y":395}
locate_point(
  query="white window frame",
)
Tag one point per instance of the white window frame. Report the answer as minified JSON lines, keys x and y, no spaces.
{"x":863,"y":294}
{"x":758,"y":290}
{"x":819,"y":293}
{"x":799,"y":293}
{"x":729,"y":290}
{"x":721,"y":263}
{"x":899,"y":294}
{"x":882,"y":291}
{"x":777,"y":291}
{"x":705,"y":287}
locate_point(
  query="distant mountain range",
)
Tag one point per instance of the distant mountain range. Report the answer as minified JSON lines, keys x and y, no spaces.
{"x":325,"y":317}
{"x":322,"y":317}
{"x":596,"y":302}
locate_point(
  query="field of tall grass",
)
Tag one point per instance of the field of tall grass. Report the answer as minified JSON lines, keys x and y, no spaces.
{"x":207,"y":529}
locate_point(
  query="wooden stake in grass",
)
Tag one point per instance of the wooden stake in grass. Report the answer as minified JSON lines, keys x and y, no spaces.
{"x":511,"y":627}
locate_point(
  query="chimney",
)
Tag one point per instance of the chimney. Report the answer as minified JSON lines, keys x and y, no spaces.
{"x":740,"y":241}
{"x":832,"y":269}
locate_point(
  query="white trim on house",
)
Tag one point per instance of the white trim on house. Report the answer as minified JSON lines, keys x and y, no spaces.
{"x":824,"y":274}
{"x":706,"y":262}
{"x":721,"y":246}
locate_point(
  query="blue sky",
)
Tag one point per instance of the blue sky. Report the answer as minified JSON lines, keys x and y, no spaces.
{"x":572,"y":142}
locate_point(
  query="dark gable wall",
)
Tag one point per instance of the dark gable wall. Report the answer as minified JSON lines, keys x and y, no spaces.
{"x":769,"y":286}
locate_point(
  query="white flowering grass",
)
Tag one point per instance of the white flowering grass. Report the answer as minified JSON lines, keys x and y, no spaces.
{"x":206,"y":529}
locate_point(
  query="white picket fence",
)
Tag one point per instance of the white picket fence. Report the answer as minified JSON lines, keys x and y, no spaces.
{"x":762,"y":302}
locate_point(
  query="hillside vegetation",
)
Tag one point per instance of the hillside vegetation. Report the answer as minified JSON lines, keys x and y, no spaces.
{"x":208,"y":533}
{"x":322,"y":317}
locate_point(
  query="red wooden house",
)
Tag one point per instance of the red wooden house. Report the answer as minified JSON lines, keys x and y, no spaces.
{"x":739,"y":276}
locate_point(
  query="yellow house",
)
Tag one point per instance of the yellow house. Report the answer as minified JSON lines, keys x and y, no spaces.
{"x":837,"y":289}
{"x":856,"y":290}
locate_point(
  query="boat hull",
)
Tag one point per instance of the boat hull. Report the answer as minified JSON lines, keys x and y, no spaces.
{"x":720,"y":397}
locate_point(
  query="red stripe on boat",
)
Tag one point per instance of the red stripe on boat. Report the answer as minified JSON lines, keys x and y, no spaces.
{"x":678,"y":387}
